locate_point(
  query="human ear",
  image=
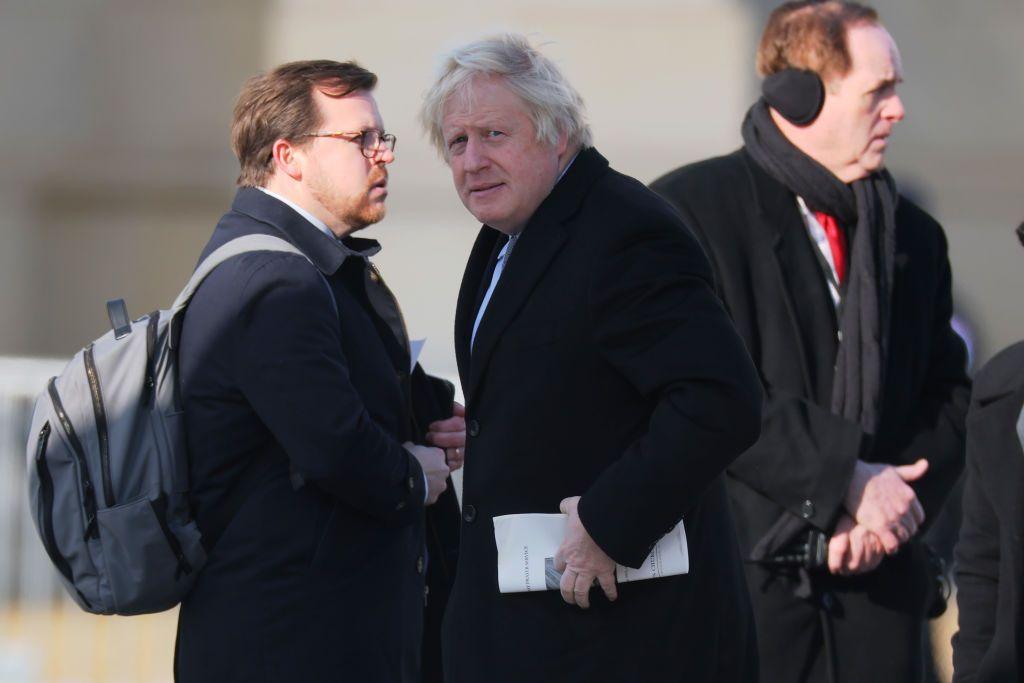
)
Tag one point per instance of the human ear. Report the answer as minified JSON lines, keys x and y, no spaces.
{"x":286,"y":159}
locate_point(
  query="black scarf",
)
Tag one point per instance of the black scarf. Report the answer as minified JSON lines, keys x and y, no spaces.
{"x":867,"y":209}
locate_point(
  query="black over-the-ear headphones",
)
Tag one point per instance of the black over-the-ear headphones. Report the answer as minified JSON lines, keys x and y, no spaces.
{"x":797,"y":94}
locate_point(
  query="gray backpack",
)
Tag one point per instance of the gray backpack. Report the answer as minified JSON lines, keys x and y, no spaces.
{"x":107,"y":465}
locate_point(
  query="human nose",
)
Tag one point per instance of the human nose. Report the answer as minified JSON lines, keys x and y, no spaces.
{"x":894,"y":109}
{"x":474,"y":157}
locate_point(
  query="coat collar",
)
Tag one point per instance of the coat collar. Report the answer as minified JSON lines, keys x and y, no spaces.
{"x":327,"y":254}
{"x":539,"y":242}
{"x":798,"y":269}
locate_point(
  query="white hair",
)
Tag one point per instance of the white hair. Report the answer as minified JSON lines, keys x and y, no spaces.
{"x":552,"y":104}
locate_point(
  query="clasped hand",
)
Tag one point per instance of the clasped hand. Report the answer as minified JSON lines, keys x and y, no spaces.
{"x":450,"y":435}
{"x":884,"y":513}
{"x":582,"y":561}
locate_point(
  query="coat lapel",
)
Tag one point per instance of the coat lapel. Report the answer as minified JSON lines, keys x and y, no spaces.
{"x":803,"y":285}
{"x":477,"y":268}
{"x":538,"y":244}
{"x":536,"y":247}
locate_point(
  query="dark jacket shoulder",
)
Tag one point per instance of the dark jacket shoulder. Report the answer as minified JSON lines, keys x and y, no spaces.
{"x":705,"y":176}
{"x":920,"y":231}
{"x":1001,"y":375}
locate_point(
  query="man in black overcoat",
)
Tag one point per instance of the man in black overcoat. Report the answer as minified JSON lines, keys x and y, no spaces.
{"x":840,"y":288}
{"x":989,"y":647}
{"x":603,"y":379}
{"x":302,"y":406}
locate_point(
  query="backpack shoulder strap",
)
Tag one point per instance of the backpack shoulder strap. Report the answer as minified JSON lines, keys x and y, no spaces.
{"x":237,"y":246}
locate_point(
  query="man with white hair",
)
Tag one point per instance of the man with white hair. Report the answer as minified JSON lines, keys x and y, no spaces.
{"x":603,"y":378}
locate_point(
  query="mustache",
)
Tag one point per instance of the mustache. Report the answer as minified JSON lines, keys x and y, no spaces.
{"x":379,"y":177}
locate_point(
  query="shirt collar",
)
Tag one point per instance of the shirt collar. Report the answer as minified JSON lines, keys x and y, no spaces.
{"x":302,"y":212}
{"x":350,"y":246}
{"x":566,"y":169}
{"x":322,"y":247}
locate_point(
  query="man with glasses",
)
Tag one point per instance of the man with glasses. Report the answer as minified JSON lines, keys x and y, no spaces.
{"x":305,"y":416}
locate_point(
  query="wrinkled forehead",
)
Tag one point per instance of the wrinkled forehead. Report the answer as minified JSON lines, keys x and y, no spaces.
{"x":481,"y":95}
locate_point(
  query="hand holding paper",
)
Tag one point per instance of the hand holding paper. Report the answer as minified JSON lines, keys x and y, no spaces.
{"x":581,"y":561}
{"x":527,"y":545}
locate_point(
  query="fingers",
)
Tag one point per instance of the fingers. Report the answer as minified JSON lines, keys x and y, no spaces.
{"x":575,"y":588}
{"x":455,"y":423}
{"x":855,"y":558}
{"x":912,"y":472}
{"x":607,"y":582}
{"x":917,"y":511}
{"x":447,"y":439}
{"x":873,"y":545}
{"x":446,"y":435}
{"x":458,"y":409}
{"x":455,"y":457}
{"x":568,"y":505}
{"x":873,"y":554}
{"x":890,"y":542}
{"x":567,"y":585}
{"x":559,"y":561}
{"x":837,"y":549}
{"x":437,"y":487}
{"x":581,"y":590}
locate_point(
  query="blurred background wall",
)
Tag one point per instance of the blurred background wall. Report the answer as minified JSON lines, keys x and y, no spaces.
{"x":114,"y":120}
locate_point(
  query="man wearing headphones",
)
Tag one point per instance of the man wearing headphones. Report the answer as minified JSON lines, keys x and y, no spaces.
{"x":841,"y":290}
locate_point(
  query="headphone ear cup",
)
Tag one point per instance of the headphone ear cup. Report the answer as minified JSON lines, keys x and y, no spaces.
{"x":797,"y":94}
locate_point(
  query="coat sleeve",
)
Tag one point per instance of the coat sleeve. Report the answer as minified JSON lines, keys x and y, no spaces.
{"x":977,"y":577}
{"x":820,"y":448}
{"x":936,"y":431}
{"x":655,"y":319}
{"x":292,"y":370}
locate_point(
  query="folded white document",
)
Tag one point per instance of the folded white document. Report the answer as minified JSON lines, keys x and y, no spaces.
{"x":526,"y":554}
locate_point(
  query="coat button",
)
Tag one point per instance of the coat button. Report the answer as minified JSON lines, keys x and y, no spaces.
{"x":473,"y":428}
{"x":411,"y":483}
{"x":807,"y":509}
{"x":419,"y":564}
{"x":469,"y":514}
{"x":400,"y":506}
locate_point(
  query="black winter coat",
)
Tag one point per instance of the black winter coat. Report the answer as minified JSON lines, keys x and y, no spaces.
{"x":770,"y":278}
{"x":605,"y":367}
{"x":989,"y":647}
{"x":326,"y":582}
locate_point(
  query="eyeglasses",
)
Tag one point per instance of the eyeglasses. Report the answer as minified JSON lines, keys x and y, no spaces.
{"x":371,"y":141}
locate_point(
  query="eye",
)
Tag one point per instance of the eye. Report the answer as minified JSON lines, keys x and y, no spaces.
{"x":494,"y":133}
{"x":457,"y":141}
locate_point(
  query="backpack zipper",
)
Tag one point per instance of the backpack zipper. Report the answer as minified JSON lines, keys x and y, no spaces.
{"x":101,"y":424}
{"x":92,"y":529}
{"x":46,"y":492}
{"x":149,"y":394}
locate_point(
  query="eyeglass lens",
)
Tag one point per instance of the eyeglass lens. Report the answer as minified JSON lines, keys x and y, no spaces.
{"x":373,"y":139}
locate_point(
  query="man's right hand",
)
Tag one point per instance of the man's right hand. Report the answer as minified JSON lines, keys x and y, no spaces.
{"x":881,"y":500}
{"x":432,"y":462}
